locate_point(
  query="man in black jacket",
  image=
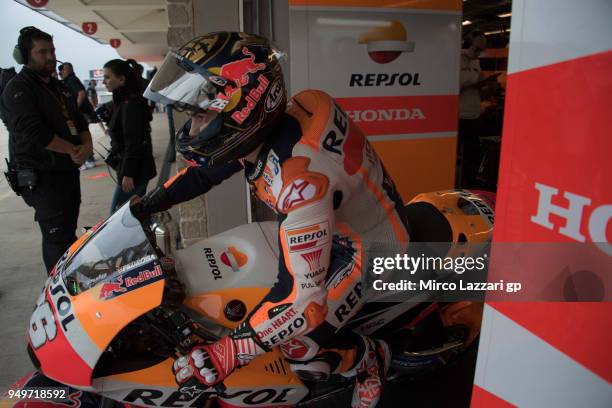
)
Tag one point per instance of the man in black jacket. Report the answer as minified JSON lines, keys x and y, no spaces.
{"x":50,"y":140}
{"x":75,"y":86}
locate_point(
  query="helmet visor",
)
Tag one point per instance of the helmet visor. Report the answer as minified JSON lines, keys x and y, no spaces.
{"x":181,"y":84}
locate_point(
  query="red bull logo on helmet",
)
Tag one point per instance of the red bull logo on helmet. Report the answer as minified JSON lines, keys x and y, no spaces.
{"x":251,"y":100}
{"x":238,"y":71}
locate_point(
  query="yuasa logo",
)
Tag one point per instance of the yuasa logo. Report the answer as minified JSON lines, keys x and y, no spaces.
{"x":573,"y":214}
{"x":386,"y":41}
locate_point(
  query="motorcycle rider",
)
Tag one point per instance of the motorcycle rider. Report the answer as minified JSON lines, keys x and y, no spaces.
{"x":308,"y":162}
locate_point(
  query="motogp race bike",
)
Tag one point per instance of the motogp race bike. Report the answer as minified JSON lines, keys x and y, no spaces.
{"x":116,"y":310}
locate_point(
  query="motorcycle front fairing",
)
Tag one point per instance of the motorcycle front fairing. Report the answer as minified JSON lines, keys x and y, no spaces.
{"x":108,"y":278}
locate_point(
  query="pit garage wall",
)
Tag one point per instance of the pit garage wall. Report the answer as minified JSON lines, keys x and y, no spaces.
{"x":394,"y":67}
{"x":555,"y":180}
{"x":225,"y":206}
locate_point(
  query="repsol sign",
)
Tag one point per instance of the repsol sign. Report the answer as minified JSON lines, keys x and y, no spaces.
{"x":384,"y":79}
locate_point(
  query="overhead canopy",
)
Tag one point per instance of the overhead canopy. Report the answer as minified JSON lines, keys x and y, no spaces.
{"x":141,"y":25}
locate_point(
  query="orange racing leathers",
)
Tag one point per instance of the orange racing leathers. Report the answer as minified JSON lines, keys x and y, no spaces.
{"x":333,"y":198}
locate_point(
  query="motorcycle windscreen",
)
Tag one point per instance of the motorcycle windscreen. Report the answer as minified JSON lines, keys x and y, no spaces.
{"x":117,"y":246}
{"x":110,"y":280}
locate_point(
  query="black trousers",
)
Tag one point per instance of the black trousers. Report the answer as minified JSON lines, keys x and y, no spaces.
{"x":56,"y":200}
{"x":468,"y":152}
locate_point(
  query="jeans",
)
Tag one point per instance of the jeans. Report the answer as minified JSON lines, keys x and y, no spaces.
{"x":120,"y":196}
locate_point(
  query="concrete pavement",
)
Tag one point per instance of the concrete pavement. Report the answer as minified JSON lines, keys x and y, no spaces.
{"x":22,"y":272}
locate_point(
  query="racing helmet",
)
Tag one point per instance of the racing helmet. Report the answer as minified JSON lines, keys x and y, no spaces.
{"x":236,"y":79}
{"x":452,"y":216}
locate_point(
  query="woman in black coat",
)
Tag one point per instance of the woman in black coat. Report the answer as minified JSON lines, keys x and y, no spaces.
{"x":131,"y":154}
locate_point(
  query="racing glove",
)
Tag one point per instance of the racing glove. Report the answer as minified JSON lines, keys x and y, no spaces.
{"x":154,"y":201}
{"x":207,"y":364}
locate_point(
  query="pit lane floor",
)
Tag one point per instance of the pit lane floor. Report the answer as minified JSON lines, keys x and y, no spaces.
{"x":22,"y":272}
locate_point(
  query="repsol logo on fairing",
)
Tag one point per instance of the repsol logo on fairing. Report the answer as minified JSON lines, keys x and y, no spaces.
{"x":212,"y":263}
{"x":384,"y":79}
{"x":157,"y":398}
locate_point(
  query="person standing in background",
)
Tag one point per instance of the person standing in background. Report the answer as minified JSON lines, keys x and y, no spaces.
{"x":50,"y":140}
{"x":471,"y":82}
{"x":92,"y":94}
{"x":131,"y":154}
{"x":75,"y":86}
{"x":144,"y":82}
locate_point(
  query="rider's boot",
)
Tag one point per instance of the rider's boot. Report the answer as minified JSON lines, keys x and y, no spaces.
{"x":370,"y":373}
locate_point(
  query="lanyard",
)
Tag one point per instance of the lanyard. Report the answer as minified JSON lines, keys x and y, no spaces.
{"x":60,"y":100}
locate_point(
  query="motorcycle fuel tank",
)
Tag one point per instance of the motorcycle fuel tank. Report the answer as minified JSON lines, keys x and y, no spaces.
{"x":226,"y":275}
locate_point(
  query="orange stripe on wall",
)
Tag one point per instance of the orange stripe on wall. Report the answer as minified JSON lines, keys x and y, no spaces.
{"x":419,"y":165}
{"x":406,"y":4}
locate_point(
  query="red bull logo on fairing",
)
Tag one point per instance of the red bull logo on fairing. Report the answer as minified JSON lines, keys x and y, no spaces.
{"x":130,"y":281}
{"x":109,"y":289}
{"x":143,"y":276}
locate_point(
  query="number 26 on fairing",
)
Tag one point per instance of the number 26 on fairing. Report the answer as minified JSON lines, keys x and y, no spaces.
{"x":42,"y":324}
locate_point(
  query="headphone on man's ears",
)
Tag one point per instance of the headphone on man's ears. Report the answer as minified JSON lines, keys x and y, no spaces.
{"x":20,"y":53}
